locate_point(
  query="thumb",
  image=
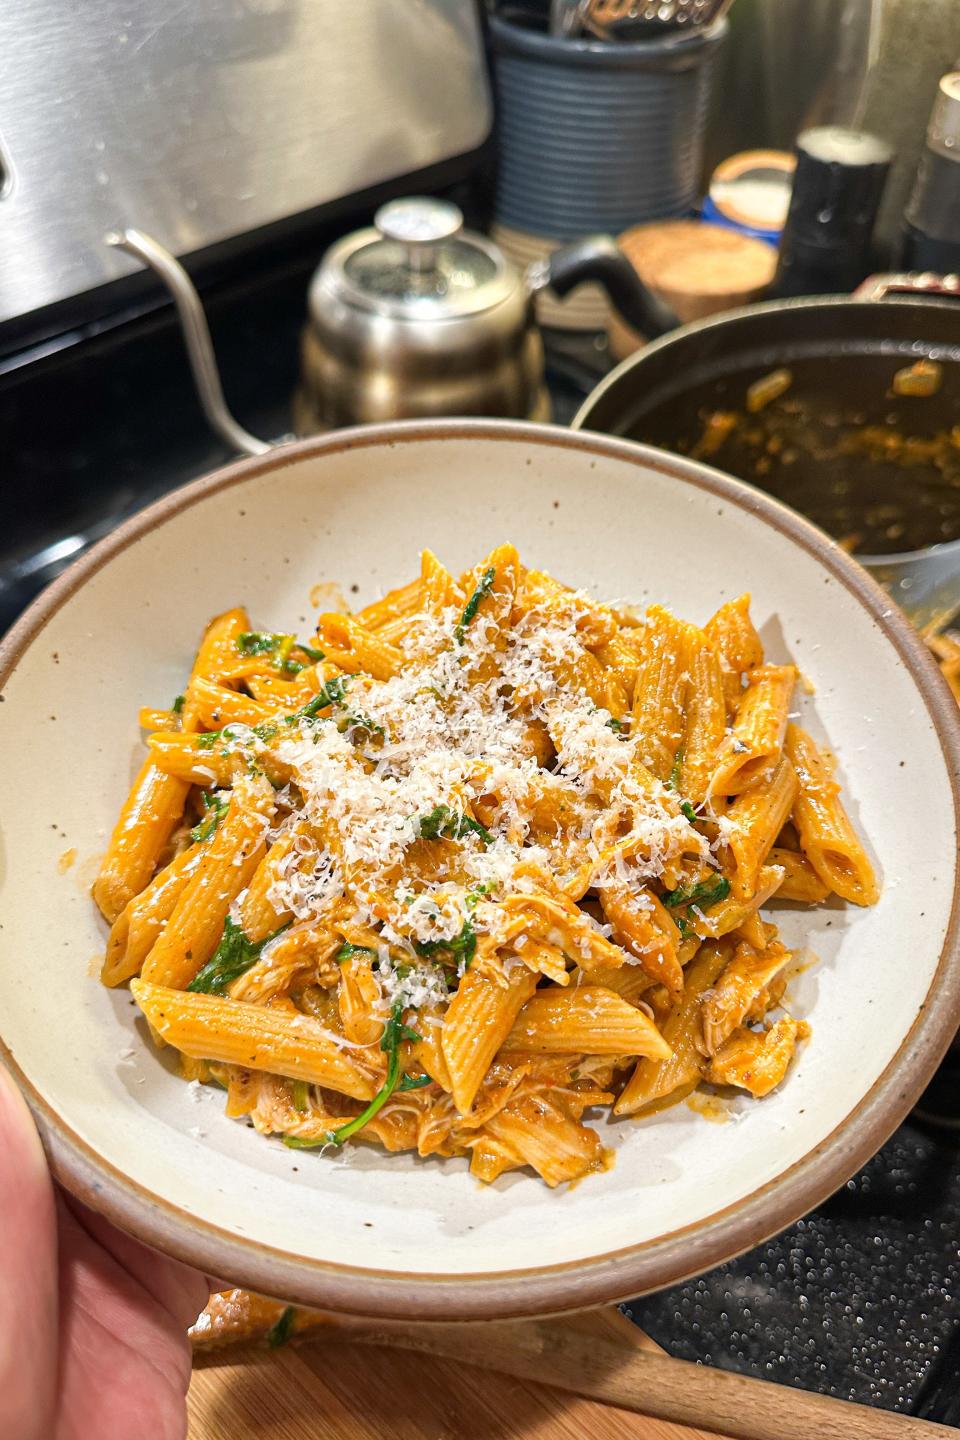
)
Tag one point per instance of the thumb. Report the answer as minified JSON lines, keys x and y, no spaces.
{"x":28,"y":1275}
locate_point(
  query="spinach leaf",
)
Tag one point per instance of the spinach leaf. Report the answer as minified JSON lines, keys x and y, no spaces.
{"x":232,"y":958}
{"x":347,"y":952}
{"x":394,"y":1033}
{"x":473,"y":604}
{"x":257,"y":642}
{"x":461,"y":948}
{"x":356,"y":720}
{"x":443,"y":823}
{"x":279,"y":1332}
{"x":704,"y":894}
{"x":672,"y":781}
{"x":216,"y":806}
{"x":279,"y":647}
{"x":330,"y":693}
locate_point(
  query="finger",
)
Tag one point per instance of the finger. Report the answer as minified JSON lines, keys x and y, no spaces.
{"x":28,"y":1275}
{"x":182,"y":1291}
{"x":124,"y":1358}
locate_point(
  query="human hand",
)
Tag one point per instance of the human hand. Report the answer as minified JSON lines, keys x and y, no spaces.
{"x":93,"y":1325}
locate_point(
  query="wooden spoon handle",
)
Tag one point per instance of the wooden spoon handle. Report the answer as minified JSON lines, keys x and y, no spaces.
{"x":607,"y":1369}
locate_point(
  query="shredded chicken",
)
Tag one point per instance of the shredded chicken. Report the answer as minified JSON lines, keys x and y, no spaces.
{"x":756,"y":1060}
{"x":749,"y":985}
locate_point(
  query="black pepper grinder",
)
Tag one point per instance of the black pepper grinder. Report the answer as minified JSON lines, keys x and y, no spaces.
{"x":839,"y":180}
{"x":931,"y":238}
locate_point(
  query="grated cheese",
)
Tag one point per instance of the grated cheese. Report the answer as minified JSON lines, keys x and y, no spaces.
{"x":452,"y":730}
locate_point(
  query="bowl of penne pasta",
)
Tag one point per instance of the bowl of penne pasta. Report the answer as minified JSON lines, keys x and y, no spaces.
{"x":468,"y":869}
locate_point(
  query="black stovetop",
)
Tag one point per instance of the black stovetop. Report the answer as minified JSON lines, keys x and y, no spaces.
{"x":862,"y":1298}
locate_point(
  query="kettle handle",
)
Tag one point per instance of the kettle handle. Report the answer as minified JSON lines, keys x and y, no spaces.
{"x":599,"y":258}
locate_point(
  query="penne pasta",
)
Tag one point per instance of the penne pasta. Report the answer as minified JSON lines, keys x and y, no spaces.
{"x":738,"y":647}
{"x":704,"y":723}
{"x":216,"y":705}
{"x":800,"y":880}
{"x":538,"y":1133}
{"x":754,"y":821}
{"x":750,"y":753}
{"x":396,"y":604}
{"x":660,"y":690}
{"x":216,"y":658}
{"x":676,"y":1075}
{"x":477,"y":1022}
{"x":827,"y":838}
{"x":152,"y":810}
{"x":587,"y":1019}
{"x":225,"y":869}
{"x":254,"y":1037}
{"x":438,"y":589}
{"x":642,"y":926}
{"x":353,"y":647}
{"x":260,"y":915}
{"x":139,"y":925}
{"x":487,"y":855}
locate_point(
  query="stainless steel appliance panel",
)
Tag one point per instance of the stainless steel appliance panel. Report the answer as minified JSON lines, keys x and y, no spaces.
{"x":199,"y":120}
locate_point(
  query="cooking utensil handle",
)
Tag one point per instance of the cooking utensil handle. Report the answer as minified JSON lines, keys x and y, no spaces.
{"x":613,"y":1370}
{"x":598,"y":258}
{"x":196,"y":335}
{"x":876,"y":287}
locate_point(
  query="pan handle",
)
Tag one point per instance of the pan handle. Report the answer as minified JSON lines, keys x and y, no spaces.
{"x":876,"y":287}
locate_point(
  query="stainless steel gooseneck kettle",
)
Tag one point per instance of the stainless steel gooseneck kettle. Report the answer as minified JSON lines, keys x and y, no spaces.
{"x":415,"y":317}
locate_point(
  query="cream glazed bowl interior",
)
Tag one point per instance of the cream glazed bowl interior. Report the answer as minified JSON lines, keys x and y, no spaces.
{"x":372,"y":1234}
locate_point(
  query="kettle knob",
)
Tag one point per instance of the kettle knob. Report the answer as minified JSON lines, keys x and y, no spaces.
{"x":420,"y":224}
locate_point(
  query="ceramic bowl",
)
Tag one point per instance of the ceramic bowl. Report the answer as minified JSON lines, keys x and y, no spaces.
{"x":367,"y":1233}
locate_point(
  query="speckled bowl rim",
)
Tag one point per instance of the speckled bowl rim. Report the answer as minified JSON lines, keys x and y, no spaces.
{"x":628,"y":1271}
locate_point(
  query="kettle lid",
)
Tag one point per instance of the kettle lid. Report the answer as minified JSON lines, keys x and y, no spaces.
{"x":418,"y":263}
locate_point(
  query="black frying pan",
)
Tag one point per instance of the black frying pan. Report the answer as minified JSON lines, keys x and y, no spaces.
{"x":875,"y":469}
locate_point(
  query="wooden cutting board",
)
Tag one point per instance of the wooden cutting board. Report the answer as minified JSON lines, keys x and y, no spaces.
{"x":326,"y":1389}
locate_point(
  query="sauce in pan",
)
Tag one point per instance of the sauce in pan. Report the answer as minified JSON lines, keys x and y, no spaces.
{"x":882,"y":475}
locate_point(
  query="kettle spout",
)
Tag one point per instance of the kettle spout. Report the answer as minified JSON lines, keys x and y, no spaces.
{"x":196,"y":334}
